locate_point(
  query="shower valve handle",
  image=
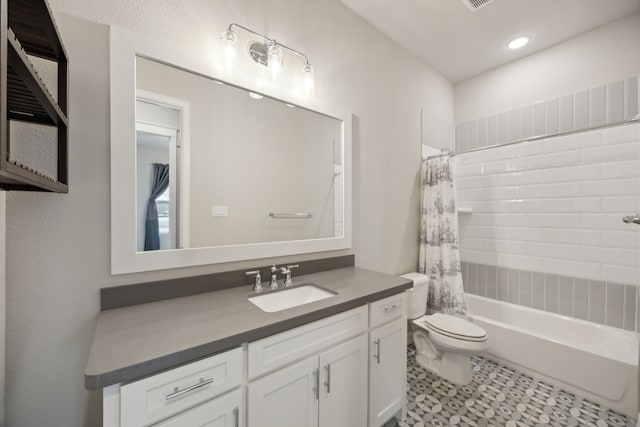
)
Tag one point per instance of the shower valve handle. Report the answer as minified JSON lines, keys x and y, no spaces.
{"x":632,"y":219}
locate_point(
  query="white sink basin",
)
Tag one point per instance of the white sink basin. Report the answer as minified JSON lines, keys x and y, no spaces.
{"x":293,"y":297}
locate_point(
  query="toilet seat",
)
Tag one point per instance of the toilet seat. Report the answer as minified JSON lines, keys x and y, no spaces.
{"x":451,"y":327}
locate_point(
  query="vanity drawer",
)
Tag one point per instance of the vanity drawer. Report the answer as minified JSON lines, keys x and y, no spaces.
{"x":155,"y":398}
{"x":388,"y":309}
{"x":278,"y":350}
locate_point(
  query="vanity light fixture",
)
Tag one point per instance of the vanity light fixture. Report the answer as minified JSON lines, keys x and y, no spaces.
{"x":229,"y":45}
{"x":307,"y":79}
{"x":518,"y":42}
{"x":267,"y":52}
{"x":275,"y":60}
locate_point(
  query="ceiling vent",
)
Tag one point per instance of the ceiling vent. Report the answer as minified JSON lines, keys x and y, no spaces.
{"x":474,"y":5}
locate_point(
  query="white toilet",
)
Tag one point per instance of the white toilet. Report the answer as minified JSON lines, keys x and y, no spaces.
{"x":444,"y":343}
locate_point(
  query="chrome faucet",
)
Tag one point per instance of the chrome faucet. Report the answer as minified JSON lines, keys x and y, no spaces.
{"x":287,"y":272}
{"x":273,"y":284}
{"x":258,"y":283}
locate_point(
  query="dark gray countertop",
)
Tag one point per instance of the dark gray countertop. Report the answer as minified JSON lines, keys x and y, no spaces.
{"x":137,"y":341}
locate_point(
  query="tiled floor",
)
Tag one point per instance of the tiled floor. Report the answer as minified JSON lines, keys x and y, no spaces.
{"x":497,"y":396}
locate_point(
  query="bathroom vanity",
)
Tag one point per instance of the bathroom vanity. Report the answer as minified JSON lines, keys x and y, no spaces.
{"x":217,"y":358}
{"x":195,"y":354}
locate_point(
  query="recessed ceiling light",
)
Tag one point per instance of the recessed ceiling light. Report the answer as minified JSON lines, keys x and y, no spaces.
{"x":517,"y":43}
{"x":255,"y":95}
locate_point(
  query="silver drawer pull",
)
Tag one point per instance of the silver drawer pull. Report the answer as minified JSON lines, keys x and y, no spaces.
{"x":392,"y":308}
{"x":328,"y":382}
{"x":177,"y":392}
{"x":316,"y":383}
{"x":377,"y":355}
{"x":236,"y":415}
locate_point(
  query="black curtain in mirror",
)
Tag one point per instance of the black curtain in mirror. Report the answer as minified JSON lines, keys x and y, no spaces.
{"x":158,"y":186}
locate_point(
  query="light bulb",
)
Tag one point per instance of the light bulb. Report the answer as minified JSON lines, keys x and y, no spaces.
{"x":229,"y":41}
{"x":518,"y":42}
{"x":275,"y":60}
{"x":307,"y":79}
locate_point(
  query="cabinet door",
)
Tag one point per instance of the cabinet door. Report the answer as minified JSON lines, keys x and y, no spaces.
{"x":286,"y":398}
{"x":223,"y":411}
{"x":387,"y":371}
{"x":343,"y":384}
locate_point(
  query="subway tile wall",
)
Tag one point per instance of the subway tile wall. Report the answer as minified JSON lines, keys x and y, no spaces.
{"x":605,"y":104}
{"x":555,"y":205}
{"x":607,"y":303}
{"x":545,"y":228}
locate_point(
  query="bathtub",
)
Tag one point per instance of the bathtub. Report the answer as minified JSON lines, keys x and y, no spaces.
{"x":594,"y":361}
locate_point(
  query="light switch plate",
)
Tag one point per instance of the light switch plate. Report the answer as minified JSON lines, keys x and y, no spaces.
{"x":219,"y":211}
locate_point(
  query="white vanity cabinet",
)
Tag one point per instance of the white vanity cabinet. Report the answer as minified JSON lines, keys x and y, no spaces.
{"x":387,"y":359}
{"x":223,"y":411}
{"x":286,"y":397}
{"x":345,"y":370}
{"x":343,"y":384}
{"x":327,"y":388}
{"x":207,"y":390}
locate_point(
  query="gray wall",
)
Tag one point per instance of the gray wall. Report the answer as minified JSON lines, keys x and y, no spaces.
{"x":58,"y":257}
{"x":3,"y":323}
{"x":58,"y":245}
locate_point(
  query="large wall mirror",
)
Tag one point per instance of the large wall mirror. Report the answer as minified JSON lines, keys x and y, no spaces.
{"x":204,"y":171}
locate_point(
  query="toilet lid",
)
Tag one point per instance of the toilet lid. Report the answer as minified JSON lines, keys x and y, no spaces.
{"x":455,"y":327}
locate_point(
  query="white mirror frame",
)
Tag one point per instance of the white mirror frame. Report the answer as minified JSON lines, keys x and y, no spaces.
{"x":124,"y":47}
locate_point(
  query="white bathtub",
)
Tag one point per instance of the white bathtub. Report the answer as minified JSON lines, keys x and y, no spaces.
{"x":597,"y":362}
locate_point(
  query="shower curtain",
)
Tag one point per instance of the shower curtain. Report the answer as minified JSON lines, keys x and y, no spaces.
{"x":439,"y":255}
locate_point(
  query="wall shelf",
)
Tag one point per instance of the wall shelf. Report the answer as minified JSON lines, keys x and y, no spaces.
{"x":27,"y":29}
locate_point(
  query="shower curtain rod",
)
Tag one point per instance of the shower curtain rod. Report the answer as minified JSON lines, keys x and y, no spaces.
{"x":447,"y":152}
{"x":444,"y":152}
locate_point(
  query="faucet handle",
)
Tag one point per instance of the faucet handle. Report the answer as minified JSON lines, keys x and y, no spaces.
{"x":273,"y":284}
{"x":258,"y":284}
{"x":287,"y":271}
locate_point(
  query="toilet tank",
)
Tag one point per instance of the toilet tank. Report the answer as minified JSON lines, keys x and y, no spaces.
{"x":417,"y":295}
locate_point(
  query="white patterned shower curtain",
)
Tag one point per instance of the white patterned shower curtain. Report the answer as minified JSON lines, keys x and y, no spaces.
{"x":439,"y":255}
